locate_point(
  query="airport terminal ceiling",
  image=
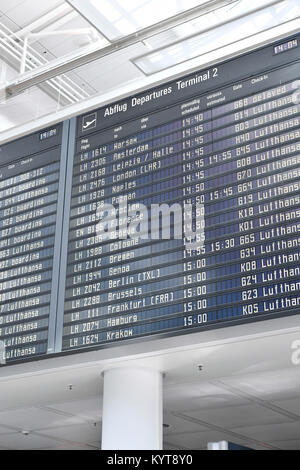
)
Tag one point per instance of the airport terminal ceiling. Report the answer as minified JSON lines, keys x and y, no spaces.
{"x":44,"y":46}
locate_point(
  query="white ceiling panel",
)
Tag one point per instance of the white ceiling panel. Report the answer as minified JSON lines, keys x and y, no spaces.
{"x":179,"y":425}
{"x":28,"y":106}
{"x":95,"y":445}
{"x":197,"y":440}
{"x":7,"y":73}
{"x":19,"y":441}
{"x":68,"y":43}
{"x":29,"y":10}
{"x":269,"y":386}
{"x":167,"y":446}
{"x":199,"y":395}
{"x":35,"y":418}
{"x":292,"y":405}
{"x":6,"y":6}
{"x":107,"y":69}
{"x":272,"y":432}
{"x":6,"y":21}
{"x":117,"y":18}
{"x":111,"y":80}
{"x":82,"y":433}
{"x":88,"y":409}
{"x":288,"y":445}
{"x":76,"y":446}
{"x":232,"y":417}
{"x":4,"y":430}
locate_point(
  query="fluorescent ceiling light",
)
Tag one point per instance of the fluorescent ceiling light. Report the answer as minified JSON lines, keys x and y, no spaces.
{"x":117,"y":18}
{"x":241,"y":22}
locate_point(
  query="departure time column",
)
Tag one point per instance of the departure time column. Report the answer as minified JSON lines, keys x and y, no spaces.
{"x":196,"y":132}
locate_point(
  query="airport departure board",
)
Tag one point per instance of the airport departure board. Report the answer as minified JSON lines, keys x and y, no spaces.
{"x":29,"y":190}
{"x":169,"y":212}
{"x":226,"y":142}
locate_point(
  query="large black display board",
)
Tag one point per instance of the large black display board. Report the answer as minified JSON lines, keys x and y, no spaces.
{"x":226,"y":142}
{"x":227,"y":138}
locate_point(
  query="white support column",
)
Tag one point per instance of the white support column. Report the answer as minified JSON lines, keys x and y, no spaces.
{"x":132,"y":409}
{"x":222,"y":445}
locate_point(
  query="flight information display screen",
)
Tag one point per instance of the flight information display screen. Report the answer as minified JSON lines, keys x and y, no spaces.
{"x":29,"y":183}
{"x":172,"y":211}
{"x":223,"y":145}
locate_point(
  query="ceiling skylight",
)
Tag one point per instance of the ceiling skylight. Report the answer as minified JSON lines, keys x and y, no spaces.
{"x":217,"y":29}
{"x":117,"y":18}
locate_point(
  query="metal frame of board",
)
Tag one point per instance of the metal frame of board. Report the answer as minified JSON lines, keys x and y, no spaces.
{"x":64,"y":236}
{"x":58,"y":235}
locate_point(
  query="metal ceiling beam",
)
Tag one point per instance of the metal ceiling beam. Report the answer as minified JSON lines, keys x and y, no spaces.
{"x":12,"y":47}
{"x":65,"y":64}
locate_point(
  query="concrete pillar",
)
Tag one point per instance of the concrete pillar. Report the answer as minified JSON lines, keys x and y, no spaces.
{"x":132,"y":409}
